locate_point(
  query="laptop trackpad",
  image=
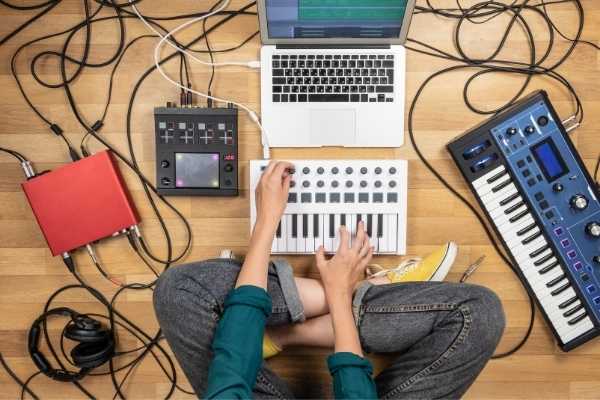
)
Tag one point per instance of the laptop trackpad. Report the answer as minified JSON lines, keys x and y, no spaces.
{"x":332,"y":127}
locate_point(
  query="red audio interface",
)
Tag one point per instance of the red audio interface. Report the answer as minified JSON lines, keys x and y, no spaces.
{"x":81,"y":202}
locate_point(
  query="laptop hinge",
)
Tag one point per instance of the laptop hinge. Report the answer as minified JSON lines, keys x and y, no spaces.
{"x":332,"y":46}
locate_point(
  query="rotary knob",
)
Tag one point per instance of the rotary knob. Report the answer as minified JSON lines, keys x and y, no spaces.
{"x":579,"y":202}
{"x":596,"y":259}
{"x":558,"y":187}
{"x":593,"y":229}
{"x":511,"y":131}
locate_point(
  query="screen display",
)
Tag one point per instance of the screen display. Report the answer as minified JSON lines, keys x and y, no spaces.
{"x":310,"y":19}
{"x":196,"y":170}
{"x":548,"y":158}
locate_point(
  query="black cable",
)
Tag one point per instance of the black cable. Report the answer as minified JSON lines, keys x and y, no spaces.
{"x":14,"y":153}
{"x":51,"y":4}
{"x":13,"y":375}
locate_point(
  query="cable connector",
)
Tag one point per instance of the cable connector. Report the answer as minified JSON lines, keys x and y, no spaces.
{"x":68,"y":260}
{"x":56,"y":129}
{"x":254,"y":64}
{"x":97,"y":126}
{"x":28,"y":169}
{"x":571,"y":123}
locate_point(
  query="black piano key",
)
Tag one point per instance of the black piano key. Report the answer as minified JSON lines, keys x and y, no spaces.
{"x":556,"y":280}
{"x":497,"y":176}
{"x":304,"y":225}
{"x":509,"y":199}
{"x":294,"y":225}
{"x":379,"y":225}
{"x":501,"y":186}
{"x":358,"y":219}
{"x":539,"y":251}
{"x":543,"y":260}
{"x":316,"y":225}
{"x":567,"y":303}
{"x":573,"y":310}
{"x":577,"y":319}
{"x":343,"y":219}
{"x":518,"y":216}
{"x":370,"y":225}
{"x":331,"y":225}
{"x":560,"y":289}
{"x":526,"y":229}
{"x":278,"y":234}
{"x":549,"y":267}
{"x":532,"y":237}
{"x":514,"y":208}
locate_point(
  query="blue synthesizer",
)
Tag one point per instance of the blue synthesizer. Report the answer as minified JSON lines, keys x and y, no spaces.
{"x":537,"y":194}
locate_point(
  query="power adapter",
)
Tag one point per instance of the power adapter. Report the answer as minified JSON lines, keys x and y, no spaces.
{"x":81,"y":203}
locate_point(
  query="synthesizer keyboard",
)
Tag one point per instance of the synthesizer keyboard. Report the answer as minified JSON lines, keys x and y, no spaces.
{"x":326,"y":194}
{"x":534,"y":189}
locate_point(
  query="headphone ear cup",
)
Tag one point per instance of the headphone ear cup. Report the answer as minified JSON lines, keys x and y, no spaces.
{"x":92,"y":355}
{"x":83,"y":335}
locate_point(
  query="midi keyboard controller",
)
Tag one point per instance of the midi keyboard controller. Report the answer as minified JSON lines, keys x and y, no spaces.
{"x":536,"y":192}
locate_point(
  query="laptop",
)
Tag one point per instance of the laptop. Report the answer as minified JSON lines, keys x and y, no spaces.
{"x":333,"y":72}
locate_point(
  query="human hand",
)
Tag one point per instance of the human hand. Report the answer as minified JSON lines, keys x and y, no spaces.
{"x":272,"y":193}
{"x":346,"y":268}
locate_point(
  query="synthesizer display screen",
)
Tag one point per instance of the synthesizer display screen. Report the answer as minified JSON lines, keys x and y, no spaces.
{"x":548,"y":158}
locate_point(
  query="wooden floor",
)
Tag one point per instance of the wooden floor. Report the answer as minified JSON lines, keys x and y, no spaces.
{"x":28,"y":273}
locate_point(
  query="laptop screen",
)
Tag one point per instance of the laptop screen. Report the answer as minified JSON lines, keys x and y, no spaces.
{"x":335,"y":19}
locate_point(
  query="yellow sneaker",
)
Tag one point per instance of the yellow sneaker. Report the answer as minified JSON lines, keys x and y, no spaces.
{"x":434,"y":267}
{"x":270,"y":349}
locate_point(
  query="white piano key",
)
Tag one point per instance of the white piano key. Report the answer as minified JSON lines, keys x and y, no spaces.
{"x":310,"y":239}
{"x":327,"y":240}
{"x":291,"y":241}
{"x":374,"y":240}
{"x":488,"y":188}
{"x":483,"y":179}
{"x":348,"y":224}
{"x":282,"y":241}
{"x":300,"y":241}
{"x":492,"y":200}
{"x":351,"y":224}
{"x":336,"y":231}
{"x":319,"y":239}
{"x":392,"y":225}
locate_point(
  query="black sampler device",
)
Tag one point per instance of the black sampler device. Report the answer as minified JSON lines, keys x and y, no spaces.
{"x":196,"y":150}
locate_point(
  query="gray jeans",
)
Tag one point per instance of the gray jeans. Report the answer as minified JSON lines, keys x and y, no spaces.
{"x":441,"y":335}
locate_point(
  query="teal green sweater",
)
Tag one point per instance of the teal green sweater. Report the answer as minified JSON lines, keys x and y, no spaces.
{"x":237,"y":348}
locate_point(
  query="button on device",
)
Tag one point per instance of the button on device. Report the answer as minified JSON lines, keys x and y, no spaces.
{"x":392,"y":197}
{"x":349,"y":170}
{"x":585,"y":277}
{"x":578,"y":266}
{"x":539,"y":196}
{"x":306,"y":184}
{"x":305,"y":170}
{"x":520,"y":163}
{"x":558,"y":231}
{"x":511,"y":131}
{"x":335,"y":184}
{"x":526,"y":173}
{"x":544,"y":204}
{"x":348,"y":197}
{"x":572,"y":254}
{"x":228,"y":167}
{"x":378,"y":184}
{"x":334,"y":197}
{"x":320,"y":170}
{"x":529,"y":159}
{"x":363,"y":170}
{"x":591,"y":289}
{"x":531,"y":181}
{"x":349,"y":184}
{"x":377,"y":171}
{"x":565,"y":243}
{"x":363,"y":184}
{"x":228,"y":182}
{"x":306,"y":198}
{"x":542,"y":120}
{"x":320,"y":197}
{"x":363,"y":197}
{"x":165,"y":181}
{"x":292,"y":198}
{"x":549,"y":214}
{"x":597,"y":300}
{"x":392,"y":171}
{"x":320,"y":184}
{"x":529,"y":130}
{"x":392,"y":184}
{"x":558,"y":187}
{"x":335,"y":170}
{"x":165,"y":164}
{"x":377,"y":197}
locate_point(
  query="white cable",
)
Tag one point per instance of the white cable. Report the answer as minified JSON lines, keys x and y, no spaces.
{"x":249,"y":64}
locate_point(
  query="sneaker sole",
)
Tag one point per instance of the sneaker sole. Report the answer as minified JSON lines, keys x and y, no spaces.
{"x":449,"y":257}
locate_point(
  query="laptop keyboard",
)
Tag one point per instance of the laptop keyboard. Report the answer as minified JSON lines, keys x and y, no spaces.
{"x":353,"y":78}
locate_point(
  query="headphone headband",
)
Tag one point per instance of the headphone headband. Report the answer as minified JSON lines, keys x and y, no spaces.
{"x":42,"y":362}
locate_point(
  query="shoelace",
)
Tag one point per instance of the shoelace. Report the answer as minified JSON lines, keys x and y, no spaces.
{"x":405,"y":267}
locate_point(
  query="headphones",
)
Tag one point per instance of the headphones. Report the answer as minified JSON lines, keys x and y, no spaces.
{"x":96,"y":344}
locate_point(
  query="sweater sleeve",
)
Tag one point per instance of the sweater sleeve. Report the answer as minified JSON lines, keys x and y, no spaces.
{"x":351,"y":376}
{"x":237,"y":344}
